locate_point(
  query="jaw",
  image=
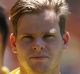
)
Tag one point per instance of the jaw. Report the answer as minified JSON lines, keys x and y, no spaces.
{"x":40,"y":69}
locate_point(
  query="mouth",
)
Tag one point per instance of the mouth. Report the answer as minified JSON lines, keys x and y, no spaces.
{"x":39,"y":58}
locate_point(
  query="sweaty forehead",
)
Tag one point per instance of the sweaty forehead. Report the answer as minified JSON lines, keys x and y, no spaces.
{"x":37,"y":22}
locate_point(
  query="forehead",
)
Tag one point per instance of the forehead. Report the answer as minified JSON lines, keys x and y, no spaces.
{"x":43,"y":22}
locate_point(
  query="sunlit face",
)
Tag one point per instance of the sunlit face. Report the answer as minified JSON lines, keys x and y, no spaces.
{"x":39,"y":43}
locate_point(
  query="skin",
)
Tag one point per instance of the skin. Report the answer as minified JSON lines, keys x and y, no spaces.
{"x":39,"y":44}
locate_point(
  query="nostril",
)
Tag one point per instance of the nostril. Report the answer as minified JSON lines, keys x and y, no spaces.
{"x":38,"y":48}
{"x":42,"y":47}
{"x":34,"y":48}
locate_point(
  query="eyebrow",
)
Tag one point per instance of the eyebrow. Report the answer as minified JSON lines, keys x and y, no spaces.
{"x":52,"y":31}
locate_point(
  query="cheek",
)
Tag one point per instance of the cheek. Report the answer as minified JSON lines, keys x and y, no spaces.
{"x":23,"y":50}
{"x":55,"y":48}
{"x":24,"y":47}
{"x":56,"y":45}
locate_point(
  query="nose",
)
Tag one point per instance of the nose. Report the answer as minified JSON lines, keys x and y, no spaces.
{"x":38,"y":45}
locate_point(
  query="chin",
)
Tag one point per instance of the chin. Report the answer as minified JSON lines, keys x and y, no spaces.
{"x":40,"y":67}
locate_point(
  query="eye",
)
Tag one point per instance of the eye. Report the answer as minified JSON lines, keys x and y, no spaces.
{"x":49,"y":37}
{"x":27,"y":39}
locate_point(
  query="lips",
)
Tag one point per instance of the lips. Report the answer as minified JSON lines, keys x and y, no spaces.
{"x":39,"y":57}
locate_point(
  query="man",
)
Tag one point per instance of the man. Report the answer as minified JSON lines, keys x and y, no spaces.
{"x":3,"y":38}
{"x":39,"y":36}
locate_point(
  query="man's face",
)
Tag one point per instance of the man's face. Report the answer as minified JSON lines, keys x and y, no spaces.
{"x":39,"y":43}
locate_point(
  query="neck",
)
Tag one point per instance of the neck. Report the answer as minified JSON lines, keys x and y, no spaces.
{"x":54,"y":71}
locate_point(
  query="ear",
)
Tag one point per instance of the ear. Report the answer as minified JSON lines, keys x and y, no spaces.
{"x":13,"y":42}
{"x":66,"y":38}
